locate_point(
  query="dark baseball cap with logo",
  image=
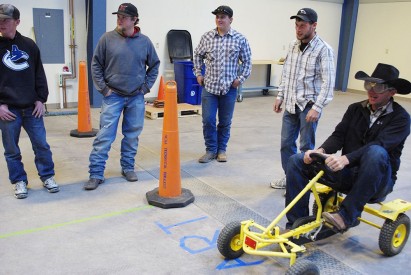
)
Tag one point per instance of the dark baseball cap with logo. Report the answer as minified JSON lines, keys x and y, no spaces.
{"x":306,"y":14}
{"x":8,"y":11}
{"x":223,"y":9}
{"x":127,"y":9}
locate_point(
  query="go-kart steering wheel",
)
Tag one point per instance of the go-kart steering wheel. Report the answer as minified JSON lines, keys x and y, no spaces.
{"x":318,"y":164}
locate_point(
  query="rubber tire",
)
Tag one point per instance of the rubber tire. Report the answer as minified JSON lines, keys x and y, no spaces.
{"x":302,"y":266}
{"x":229,"y":242}
{"x":394,"y":235}
{"x":327,"y":201}
{"x":298,"y":222}
{"x":303,"y":220}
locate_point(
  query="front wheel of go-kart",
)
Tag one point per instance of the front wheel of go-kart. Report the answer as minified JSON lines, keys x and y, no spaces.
{"x":305,"y":267}
{"x":229,"y":241}
{"x":394,"y":235}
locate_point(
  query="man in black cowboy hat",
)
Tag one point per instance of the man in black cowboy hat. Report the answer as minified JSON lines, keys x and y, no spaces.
{"x":371,"y":137}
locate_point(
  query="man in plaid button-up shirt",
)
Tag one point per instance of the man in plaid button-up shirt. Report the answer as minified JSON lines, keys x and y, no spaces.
{"x":307,"y":86}
{"x":221,"y":50}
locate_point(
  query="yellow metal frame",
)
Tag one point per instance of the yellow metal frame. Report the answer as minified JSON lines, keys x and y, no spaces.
{"x":261,"y":237}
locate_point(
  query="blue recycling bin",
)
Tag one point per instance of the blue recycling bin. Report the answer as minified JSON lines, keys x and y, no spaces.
{"x":188,"y":90}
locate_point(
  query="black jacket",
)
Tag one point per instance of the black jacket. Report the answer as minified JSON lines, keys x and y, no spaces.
{"x":352,"y":135}
{"x":22,"y":77}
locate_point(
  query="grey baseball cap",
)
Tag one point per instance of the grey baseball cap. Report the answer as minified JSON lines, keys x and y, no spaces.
{"x":9,"y":11}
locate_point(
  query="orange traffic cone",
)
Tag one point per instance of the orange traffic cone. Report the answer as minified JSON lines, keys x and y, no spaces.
{"x":161,"y":89}
{"x":84,"y":119}
{"x":169,"y":194}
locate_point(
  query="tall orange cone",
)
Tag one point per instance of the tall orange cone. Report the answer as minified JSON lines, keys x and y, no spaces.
{"x":169,"y":194}
{"x":84,"y":119}
{"x":161,"y":89}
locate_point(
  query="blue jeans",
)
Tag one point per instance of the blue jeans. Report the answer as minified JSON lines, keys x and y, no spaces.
{"x":133,"y":109}
{"x":369,"y":181}
{"x":216,"y":137}
{"x":292,"y":125}
{"x":10,"y":132}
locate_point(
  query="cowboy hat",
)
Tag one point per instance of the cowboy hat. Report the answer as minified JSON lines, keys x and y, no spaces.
{"x":386,"y":74}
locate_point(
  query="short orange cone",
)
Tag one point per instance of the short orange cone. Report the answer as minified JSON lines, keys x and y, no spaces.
{"x":84,"y":119}
{"x":169,"y":194}
{"x":161,"y":89}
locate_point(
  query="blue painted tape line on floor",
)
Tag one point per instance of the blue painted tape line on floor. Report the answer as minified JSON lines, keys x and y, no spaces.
{"x":226,"y":264}
{"x":165,"y":228}
{"x":210,"y":244}
{"x":54,"y":226}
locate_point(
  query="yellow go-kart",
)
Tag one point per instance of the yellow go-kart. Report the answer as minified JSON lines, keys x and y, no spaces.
{"x":252,"y":238}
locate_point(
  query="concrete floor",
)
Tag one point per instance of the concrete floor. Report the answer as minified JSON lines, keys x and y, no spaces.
{"x":113,"y":230}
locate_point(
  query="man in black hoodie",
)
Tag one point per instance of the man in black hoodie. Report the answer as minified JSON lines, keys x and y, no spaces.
{"x":23,"y":92}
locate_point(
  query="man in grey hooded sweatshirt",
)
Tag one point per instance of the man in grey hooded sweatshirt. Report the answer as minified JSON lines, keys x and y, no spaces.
{"x":124,"y":68}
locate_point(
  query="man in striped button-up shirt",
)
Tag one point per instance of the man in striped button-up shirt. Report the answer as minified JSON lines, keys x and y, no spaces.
{"x":221,"y":50}
{"x":307,"y":86}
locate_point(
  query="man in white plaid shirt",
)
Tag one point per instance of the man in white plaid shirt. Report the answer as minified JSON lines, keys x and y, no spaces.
{"x":307,"y":86}
{"x":221,"y":50}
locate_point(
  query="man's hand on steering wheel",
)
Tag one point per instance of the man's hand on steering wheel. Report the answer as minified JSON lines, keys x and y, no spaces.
{"x":308,"y":159}
{"x":336,"y":163}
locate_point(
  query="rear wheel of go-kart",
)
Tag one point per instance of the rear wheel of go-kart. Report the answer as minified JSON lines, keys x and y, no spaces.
{"x":325,"y":232}
{"x":394,"y":235}
{"x":303,"y":267}
{"x":327,"y":201}
{"x":301,"y":221}
{"x":229,"y":241}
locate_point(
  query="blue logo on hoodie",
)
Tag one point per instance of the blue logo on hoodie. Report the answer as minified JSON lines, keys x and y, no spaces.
{"x":16,"y":60}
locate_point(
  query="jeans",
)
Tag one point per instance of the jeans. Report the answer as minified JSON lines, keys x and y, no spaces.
{"x":370,"y":181}
{"x":292,"y":125}
{"x":133,"y":109}
{"x":216,"y":137}
{"x":10,"y":132}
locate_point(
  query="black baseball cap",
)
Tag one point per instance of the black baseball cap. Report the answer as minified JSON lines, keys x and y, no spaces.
{"x":127,"y":9}
{"x":223,"y":9}
{"x":306,"y":14}
{"x":9,"y":11}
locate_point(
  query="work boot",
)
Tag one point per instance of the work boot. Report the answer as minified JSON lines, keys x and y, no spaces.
{"x":335,"y":219}
{"x":130,"y":175}
{"x":222,"y":156}
{"x":207,"y":157}
{"x":92,"y":184}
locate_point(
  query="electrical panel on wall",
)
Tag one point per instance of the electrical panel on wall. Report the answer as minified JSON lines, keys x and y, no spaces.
{"x":49,"y":34}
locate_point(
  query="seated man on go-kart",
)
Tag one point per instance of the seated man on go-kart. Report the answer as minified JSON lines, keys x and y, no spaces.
{"x":371,"y":137}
